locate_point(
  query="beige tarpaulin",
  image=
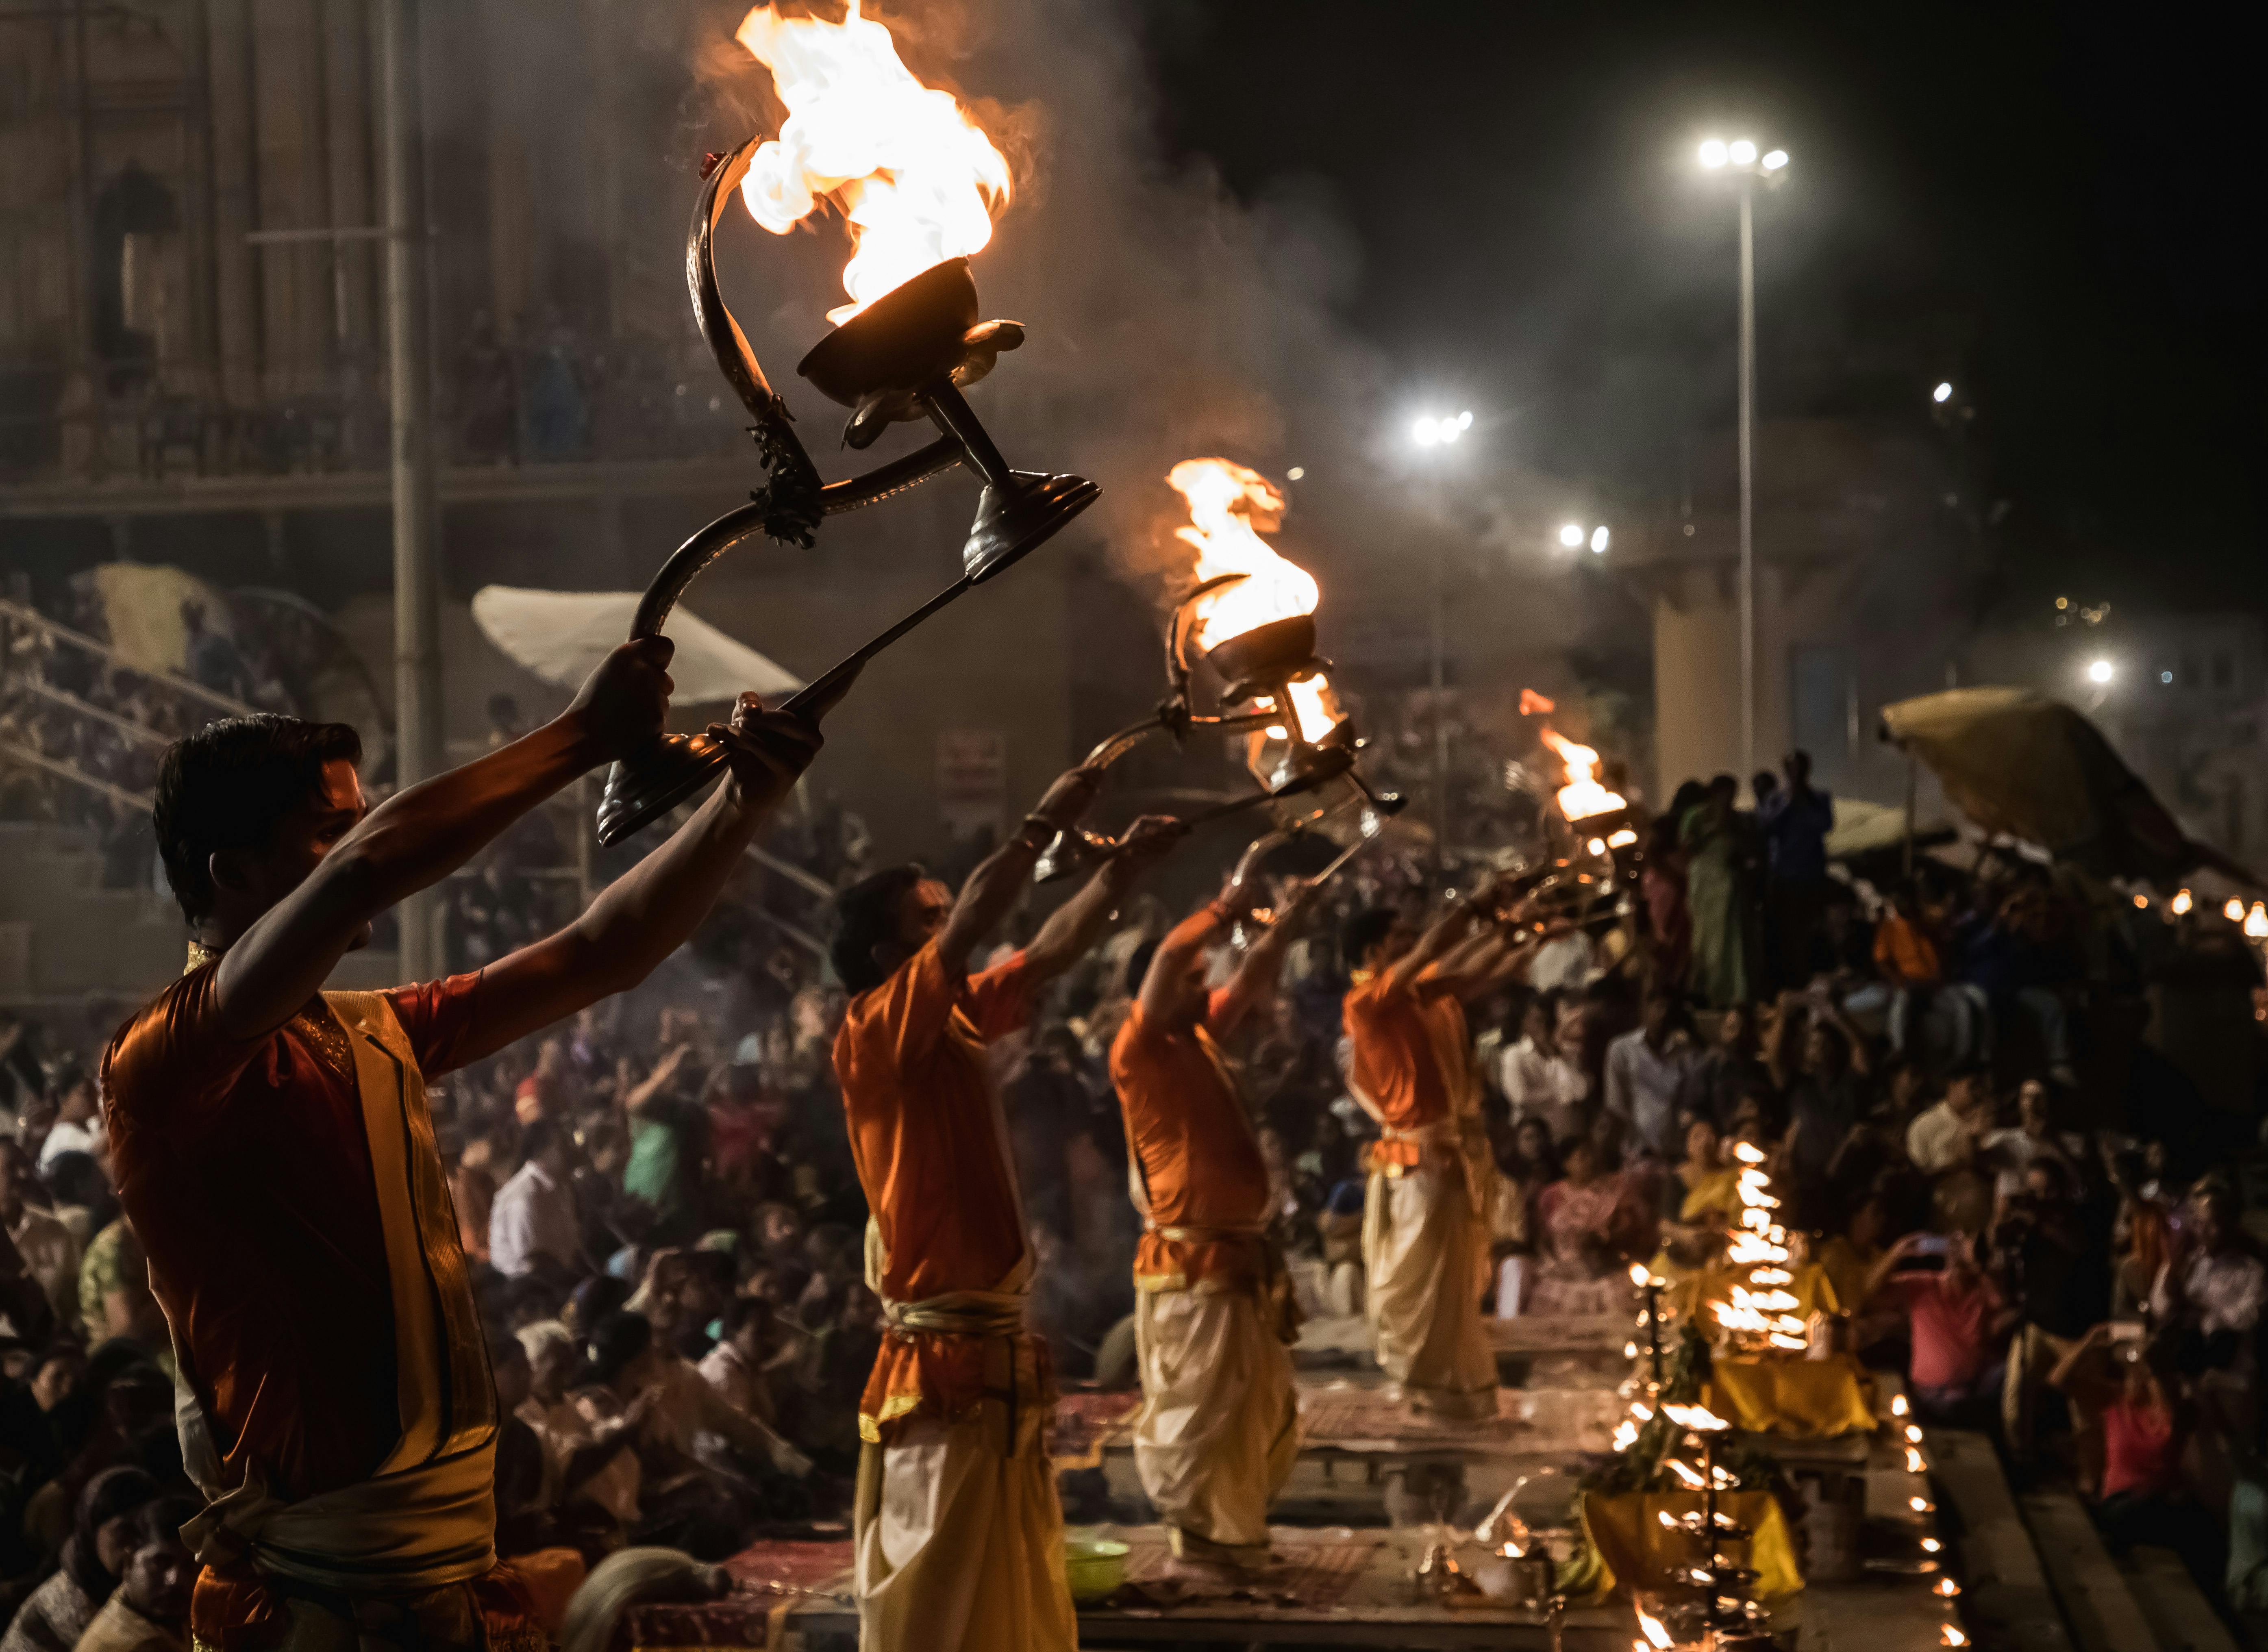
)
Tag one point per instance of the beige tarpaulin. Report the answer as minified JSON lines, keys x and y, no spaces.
{"x":2015,"y":761}
{"x":143,"y":605}
{"x":561,"y":636}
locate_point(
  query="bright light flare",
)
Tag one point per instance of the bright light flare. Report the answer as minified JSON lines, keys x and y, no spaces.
{"x":2234,"y":911}
{"x":1599,"y":538}
{"x":1582,"y":796}
{"x":1948,"y":1635}
{"x":1714,"y":154}
{"x":2099,"y":671}
{"x":1699,"y":1418}
{"x":1741,"y":152}
{"x":2256,"y":922}
{"x":1622,"y":839}
{"x":1942,"y":394}
{"x":917,"y":181}
{"x":1571,"y":536}
{"x":1775,"y":160}
{"x":1429,"y":431}
{"x":2182,"y":903}
{"x":1654,"y":1630}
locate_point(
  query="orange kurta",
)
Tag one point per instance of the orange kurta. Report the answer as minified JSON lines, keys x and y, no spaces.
{"x":247,"y":1168}
{"x":1410,"y":1060}
{"x":1196,"y":1154}
{"x":931,"y":1147}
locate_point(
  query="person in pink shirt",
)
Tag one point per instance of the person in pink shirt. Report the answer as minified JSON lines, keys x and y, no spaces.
{"x":1958,"y":1321}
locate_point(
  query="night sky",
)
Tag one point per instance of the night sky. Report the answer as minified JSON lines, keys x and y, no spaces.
{"x":2039,"y":203}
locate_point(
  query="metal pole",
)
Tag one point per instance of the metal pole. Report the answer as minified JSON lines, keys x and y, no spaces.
{"x":416,"y":589}
{"x":1440,"y":709}
{"x":1748,"y":479}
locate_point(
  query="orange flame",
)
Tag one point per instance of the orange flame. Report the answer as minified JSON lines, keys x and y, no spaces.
{"x":918,"y":181}
{"x":1534,"y":704}
{"x":1582,"y":796}
{"x":1230,"y":507}
{"x":1653,"y":1627}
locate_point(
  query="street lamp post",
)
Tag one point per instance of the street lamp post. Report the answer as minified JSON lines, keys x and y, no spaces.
{"x":1431,"y":432}
{"x":1741,"y":157}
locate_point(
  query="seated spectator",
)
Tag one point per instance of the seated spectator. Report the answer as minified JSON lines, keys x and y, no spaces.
{"x":1583,"y":1229}
{"x":78,"y":1126}
{"x":149,"y":1610}
{"x":740,"y":1367}
{"x":103,"y":1539}
{"x":113,"y":1294}
{"x":1946,"y":1136}
{"x":534,"y":1220}
{"x":587,"y":1464}
{"x":2127,"y":1393}
{"x":2005,"y":1153}
{"x":1647,"y":1074}
{"x":49,"y":1254}
{"x":1540,"y":1077}
{"x":1729,"y":1071}
{"x":2041,"y":1255}
{"x":1957,"y":1321}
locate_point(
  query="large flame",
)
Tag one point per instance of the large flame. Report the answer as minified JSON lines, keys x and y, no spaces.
{"x":1582,"y":796}
{"x":1230,"y":505}
{"x":918,"y":181}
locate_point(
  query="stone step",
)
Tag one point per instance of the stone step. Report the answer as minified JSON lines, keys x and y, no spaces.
{"x":2100,"y":1608}
{"x":2177,"y":1610}
{"x":2008,"y":1598}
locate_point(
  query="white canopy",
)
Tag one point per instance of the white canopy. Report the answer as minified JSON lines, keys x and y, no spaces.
{"x":561,"y":636}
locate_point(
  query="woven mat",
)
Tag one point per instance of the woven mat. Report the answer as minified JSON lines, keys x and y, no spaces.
{"x":1086,"y":1422}
{"x":1350,"y":1416}
{"x":1313,"y":1573}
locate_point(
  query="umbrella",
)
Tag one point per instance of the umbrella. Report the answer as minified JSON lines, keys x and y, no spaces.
{"x":561,"y":636}
{"x":2015,"y":761}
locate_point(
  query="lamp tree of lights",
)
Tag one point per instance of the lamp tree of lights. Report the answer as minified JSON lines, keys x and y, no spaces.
{"x":1440,"y":430}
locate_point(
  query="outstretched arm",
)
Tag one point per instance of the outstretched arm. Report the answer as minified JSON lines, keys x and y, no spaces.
{"x":419,"y":836}
{"x":994,"y":887}
{"x":1445,"y":932}
{"x":1077,"y":925}
{"x":1253,"y":986}
{"x":652,"y":910}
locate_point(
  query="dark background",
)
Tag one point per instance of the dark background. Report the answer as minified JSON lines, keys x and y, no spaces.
{"x":2039,"y":203}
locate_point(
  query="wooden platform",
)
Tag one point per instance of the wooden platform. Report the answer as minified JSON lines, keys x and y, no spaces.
{"x":1340,"y":1587}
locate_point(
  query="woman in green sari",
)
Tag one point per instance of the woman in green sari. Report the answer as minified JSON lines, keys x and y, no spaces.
{"x":1716,"y":893}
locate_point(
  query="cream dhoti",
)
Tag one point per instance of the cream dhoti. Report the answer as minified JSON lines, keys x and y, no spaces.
{"x":1219,"y":1430}
{"x":959,"y":1534}
{"x":1425,"y":1254}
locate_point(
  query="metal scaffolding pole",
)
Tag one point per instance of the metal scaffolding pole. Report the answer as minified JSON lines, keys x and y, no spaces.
{"x":416,"y":588}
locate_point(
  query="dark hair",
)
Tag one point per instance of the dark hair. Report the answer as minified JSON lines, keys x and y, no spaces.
{"x":615,"y":1342}
{"x":1363,"y":930}
{"x":228,"y":785}
{"x":867,"y":916}
{"x":539,"y":1136}
{"x":1137,"y":966}
{"x":160,"y":1520}
{"x":114,"y":1492}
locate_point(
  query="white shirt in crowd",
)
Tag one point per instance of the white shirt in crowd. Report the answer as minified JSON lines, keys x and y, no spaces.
{"x":2008,"y":1153}
{"x":2226,"y":1292}
{"x":1643,"y":1085}
{"x":70,"y":1138}
{"x":1936,"y":1139}
{"x":1549,"y":1086}
{"x":534,"y":1216}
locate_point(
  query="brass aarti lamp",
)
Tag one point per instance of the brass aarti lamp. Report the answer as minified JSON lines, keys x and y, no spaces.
{"x":906,"y":356}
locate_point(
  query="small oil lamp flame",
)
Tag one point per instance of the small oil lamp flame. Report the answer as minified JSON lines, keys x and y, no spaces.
{"x":916,"y":179}
{"x":1948,"y":1588}
{"x":1582,"y":796}
{"x":1656,"y":1633}
{"x":1948,"y":1635}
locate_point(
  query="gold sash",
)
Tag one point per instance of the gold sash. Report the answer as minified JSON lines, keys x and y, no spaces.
{"x":426,"y":1517}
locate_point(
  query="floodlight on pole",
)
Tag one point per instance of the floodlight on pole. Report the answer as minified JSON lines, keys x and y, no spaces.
{"x":1571,"y":536}
{"x":1741,"y":156}
{"x":1942,"y":394}
{"x":2099,"y":671}
{"x":1599,"y":537}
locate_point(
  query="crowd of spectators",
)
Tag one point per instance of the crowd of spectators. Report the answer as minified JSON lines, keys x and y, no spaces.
{"x":2022,"y":1207}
